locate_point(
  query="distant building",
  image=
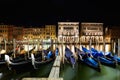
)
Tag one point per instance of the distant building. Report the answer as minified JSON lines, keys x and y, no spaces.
{"x":10,"y":32}
{"x":27,"y":33}
{"x":46,"y":32}
{"x":38,"y":33}
{"x":93,"y":31}
{"x":4,"y":32}
{"x":107,"y":35}
{"x":114,"y":32}
{"x":50,"y":31}
{"x":18,"y":32}
{"x":68,"y":32}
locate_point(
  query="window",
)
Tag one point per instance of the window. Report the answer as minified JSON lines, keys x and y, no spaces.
{"x":92,"y":28}
{"x":84,"y":28}
{"x":77,"y":28}
{"x":68,"y":27}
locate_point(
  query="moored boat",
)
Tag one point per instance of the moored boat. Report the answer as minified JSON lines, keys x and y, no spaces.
{"x":2,"y":56}
{"x":69,"y":57}
{"x":18,"y":64}
{"x":108,"y":55}
{"x":21,"y":62}
{"x":100,"y":57}
{"x":49,"y":57}
{"x":86,"y":59}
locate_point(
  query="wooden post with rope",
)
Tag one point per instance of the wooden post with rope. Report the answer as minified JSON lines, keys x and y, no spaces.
{"x":104,"y":46}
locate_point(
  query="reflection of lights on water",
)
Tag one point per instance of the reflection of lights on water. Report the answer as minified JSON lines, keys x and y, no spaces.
{"x":26,"y":47}
{"x":100,"y":47}
{"x":40,"y":47}
{"x":72,"y":49}
{"x":107,"y":48}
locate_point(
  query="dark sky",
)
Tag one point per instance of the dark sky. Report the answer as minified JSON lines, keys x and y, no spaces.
{"x":40,"y":12}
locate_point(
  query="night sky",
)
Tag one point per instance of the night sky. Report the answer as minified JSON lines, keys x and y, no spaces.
{"x":40,"y":12}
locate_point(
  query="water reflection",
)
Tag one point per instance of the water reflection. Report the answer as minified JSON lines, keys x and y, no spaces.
{"x":81,"y":71}
{"x":43,"y":71}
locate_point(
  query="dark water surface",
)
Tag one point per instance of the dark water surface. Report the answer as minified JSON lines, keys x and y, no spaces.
{"x":84,"y":72}
{"x":80,"y":72}
{"x":43,"y":71}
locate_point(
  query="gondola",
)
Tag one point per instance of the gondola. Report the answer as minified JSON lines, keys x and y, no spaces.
{"x":86,"y":59}
{"x":21,"y":62}
{"x":18,"y":65}
{"x":2,"y":56}
{"x":100,"y":57}
{"x":108,"y":55}
{"x":49,"y":57}
{"x":69,"y":57}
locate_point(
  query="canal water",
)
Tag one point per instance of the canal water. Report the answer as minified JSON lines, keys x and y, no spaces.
{"x":80,"y":72}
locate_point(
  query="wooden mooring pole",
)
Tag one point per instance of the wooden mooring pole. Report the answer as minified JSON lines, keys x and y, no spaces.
{"x":118,"y":47}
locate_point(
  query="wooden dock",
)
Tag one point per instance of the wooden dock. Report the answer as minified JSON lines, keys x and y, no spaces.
{"x":54,"y":74}
{"x":55,"y":69}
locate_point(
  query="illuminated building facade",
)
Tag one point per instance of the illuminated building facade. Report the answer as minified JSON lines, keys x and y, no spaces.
{"x":27,"y":33}
{"x":50,"y":32}
{"x":114,"y":32}
{"x":38,"y":33}
{"x":10,"y":32}
{"x":47,"y":32}
{"x":18,"y":32}
{"x":93,"y":31}
{"x":3,"y":32}
{"x":68,"y":32}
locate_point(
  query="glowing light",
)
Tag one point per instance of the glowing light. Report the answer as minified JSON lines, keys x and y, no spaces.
{"x":107,"y":48}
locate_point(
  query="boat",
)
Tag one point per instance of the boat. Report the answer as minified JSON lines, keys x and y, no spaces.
{"x":21,"y":62}
{"x":2,"y":54}
{"x":49,"y":57}
{"x":108,"y":55}
{"x":43,"y":57}
{"x":86,"y":59}
{"x":69,"y":57}
{"x":100,"y":57}
{"x":56,"y":51}
{"x":18,"y":64}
